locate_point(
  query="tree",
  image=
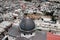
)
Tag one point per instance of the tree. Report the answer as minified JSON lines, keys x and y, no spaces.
{"x":54,"y":19}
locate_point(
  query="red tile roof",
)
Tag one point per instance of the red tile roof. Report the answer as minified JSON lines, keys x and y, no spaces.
{"x":50,"y":36}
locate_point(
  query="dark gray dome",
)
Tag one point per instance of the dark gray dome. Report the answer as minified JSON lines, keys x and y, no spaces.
{"x":27,"y":24}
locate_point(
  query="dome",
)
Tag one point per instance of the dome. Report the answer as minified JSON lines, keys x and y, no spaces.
{"x":27,"y":24}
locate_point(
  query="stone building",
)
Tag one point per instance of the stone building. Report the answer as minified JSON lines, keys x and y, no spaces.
{"x":55,"y":0}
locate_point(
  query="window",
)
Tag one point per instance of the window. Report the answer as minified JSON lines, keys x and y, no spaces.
{"x":28,"y":0}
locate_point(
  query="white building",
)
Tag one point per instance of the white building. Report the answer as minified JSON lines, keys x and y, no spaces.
{"x":55,"y":0}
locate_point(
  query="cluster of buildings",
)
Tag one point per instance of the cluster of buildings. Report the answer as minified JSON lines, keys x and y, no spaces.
{"x":44,"y":13}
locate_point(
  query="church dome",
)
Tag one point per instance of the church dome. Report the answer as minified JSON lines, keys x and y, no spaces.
{"x":27,"y":24}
